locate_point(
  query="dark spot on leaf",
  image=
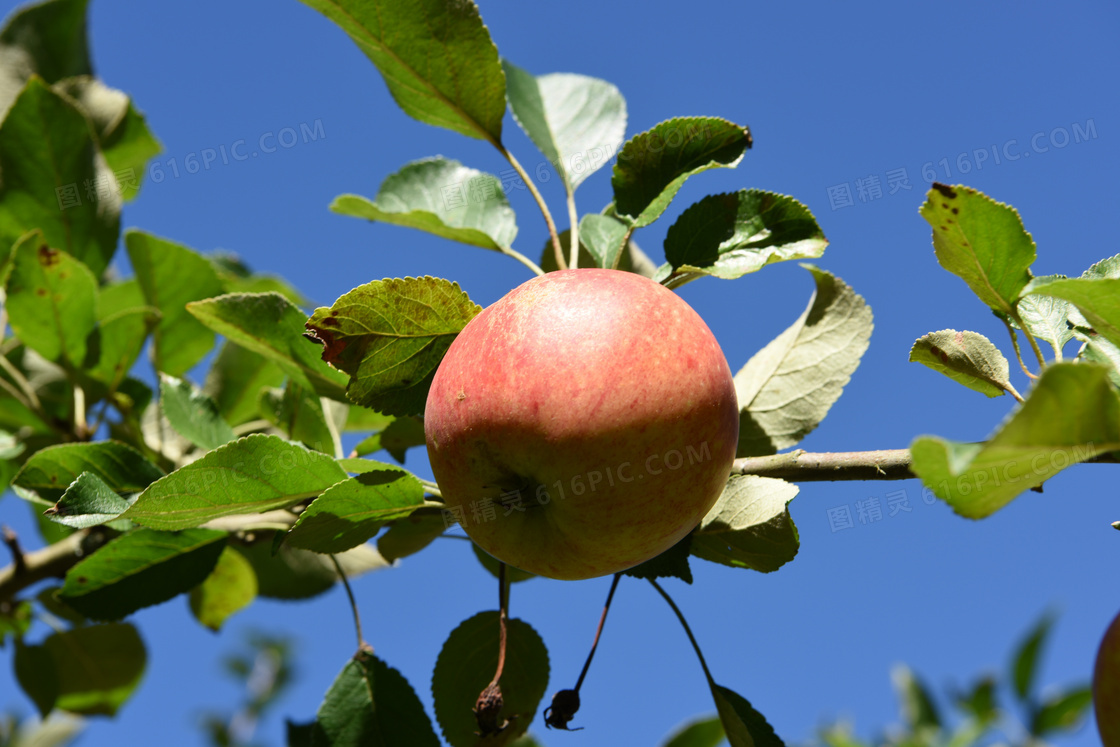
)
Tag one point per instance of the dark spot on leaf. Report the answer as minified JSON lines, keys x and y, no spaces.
{"x":82,"y":579}
{"x":944,"y":228}
{"x":48,"y":256}
{"x":41,"y":292}
{"x":945,"y":189}
{"x":956,"y":210}
{"x":945,"y":205}
{"x":330,"y":321}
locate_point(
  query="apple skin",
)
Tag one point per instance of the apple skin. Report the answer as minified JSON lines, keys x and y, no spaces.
{"x":600,"y":403}
{"x":1106,"y":686}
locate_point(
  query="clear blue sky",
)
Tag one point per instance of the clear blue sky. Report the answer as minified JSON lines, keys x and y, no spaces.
{"x":833,"y":93}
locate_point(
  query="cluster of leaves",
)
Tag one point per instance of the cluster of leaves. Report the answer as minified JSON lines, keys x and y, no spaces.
{"x":239,"y":487}
{"x":1072,"y":412}
{"x":981,"y":717}
{"x":152,"y":486}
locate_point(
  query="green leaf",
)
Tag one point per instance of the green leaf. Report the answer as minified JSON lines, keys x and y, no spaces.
{"x":967,"y":358}
{"x":98,"y":667}
{"x":982,"y":242}
{"x":370,"y":704}
{"x":745,"y":726}
{"x":1071,"y":415}
{"x":51,"y":301}
{"x":139,"y":569}
{"x":436,"y":57}
{"x":671,"y":563}
{"x":788,"y":387}
{"x":251,"y":475}
{"x":192,"y":414}
{"x":750,"y":526}
{"x":578,"y":122}
{"x":299,"y":574}
{"x":1106,"y":268}
{"x":465,"y":667}
{"x":271,"y":326}
{"x":918,"y":707}
{"x":980,"y":702}
{"x":704,"y":732}
{"x":401,"y":435}
{"x":35,"y":671}
{"x":299,"y":413}
{"x":602,"y":235}
{"x":87,"y":502}
{"x":1062,"y":712}
{"x":1024,"y":662}
{"x":599,"y":234}
{"x":390,"y":336}
{"x":1101,"y":351}
{"x":126,"y":142}
{"x":443,"y":197}
{"x":117,"y":342}
{"x":493,"y":565}
{"x":236,"y":379}
{"x":730,"y":235}
{"x":365,"y":419}
{"x":230,"y":587}
{"x":48,"y":157}
{"x":1097,"y":298}
{"x":47,"y":39}
{"x":410,"y":535}
{"x":113,"y":298}
{"x":15,"y":621}
{"x":48,"y":598}
{"x":353,"y":511}
{"x":49,"y":471}
{"x":1047,"y":318}
{"x":171,"y":275}
{"x":654,"y":164}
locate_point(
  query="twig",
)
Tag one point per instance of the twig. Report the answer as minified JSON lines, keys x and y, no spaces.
{"x":1015,"y":345}
{"x":11,"y":539}
{"x":22,"y":382}
{"x":801,"y":466}
{"x":353,"y":602}
{"x":509,"y":251}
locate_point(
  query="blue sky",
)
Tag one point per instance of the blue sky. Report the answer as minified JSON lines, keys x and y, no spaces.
{"x":834,"y":94}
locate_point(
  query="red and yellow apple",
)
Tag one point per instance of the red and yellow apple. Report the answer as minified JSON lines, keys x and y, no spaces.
{"x":582,"y":424}
{"x":1106,"y":686}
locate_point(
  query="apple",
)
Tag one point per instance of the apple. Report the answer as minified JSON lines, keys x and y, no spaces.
{"x":582,"y":424}
{"x":1106,"y":686}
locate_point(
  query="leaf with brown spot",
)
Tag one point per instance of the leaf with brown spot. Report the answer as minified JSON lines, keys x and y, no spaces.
{"x":390,"y":336}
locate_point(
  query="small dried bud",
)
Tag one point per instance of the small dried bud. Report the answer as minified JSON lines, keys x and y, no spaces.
{"x":488,"y":711}
{"x":565,"y":704}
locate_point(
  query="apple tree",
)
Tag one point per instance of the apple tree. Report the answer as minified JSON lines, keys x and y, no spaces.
{"x":148,"y":486}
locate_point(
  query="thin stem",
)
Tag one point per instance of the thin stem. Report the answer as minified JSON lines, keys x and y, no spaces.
{"x":22,"y":382}
{"x":332,"y":427}
{"x":11,"y":539}
{"x":503,"y":612}
{"x":17,"y":395}
{"x":80,"y":428}
{"x":598,"y":631}
{"x":251,"y":426}
{"x":556,"y":248}
{"x":1034,"y":343}
{"x":353,"y":603}
{"x":1011,"y":390}
{"x":688,"y":630}
{"x":1015,"y":344}
{"x":573,"y":220}
{"x":431,"y":488}
{"x":511,"y":252}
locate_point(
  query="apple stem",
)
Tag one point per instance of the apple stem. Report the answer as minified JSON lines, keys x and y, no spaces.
{"x":353,"y":603}
{"x":561,"y":261}
{"x":598,"y":631}
{"x":688,"y":630}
